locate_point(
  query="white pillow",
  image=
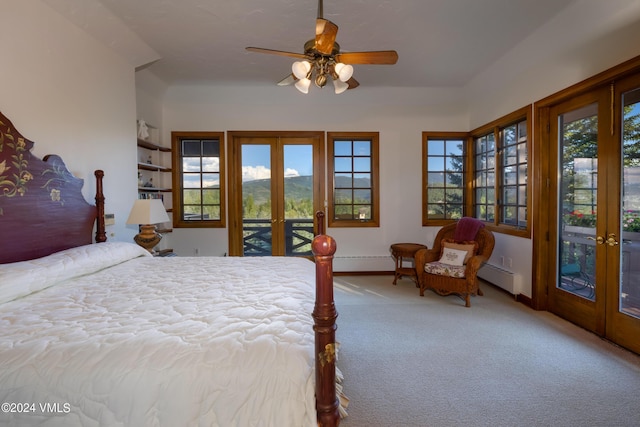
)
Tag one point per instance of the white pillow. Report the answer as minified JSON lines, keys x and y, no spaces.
{"x":453,"y":256}
{"x":22,"y":278}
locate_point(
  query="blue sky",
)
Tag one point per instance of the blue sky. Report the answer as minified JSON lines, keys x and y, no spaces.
{"x":256,"y":163}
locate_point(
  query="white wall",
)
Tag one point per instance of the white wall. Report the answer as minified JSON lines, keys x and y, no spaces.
{"x":399,"y":114}
{"x":73,"y":97}
{"x":586,"y":38}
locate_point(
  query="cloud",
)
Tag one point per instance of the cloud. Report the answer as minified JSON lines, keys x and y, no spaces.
{"x":209,"y":164}
{"x":289,"y":172}
{"x":250,"y":173}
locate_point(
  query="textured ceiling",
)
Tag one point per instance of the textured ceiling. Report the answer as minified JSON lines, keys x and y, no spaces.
{"x":439,"y":42}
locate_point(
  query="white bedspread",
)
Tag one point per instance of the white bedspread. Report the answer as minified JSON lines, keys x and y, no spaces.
{"x":174,"y":342}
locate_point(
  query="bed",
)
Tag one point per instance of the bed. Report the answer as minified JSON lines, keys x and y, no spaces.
{"x":102,"y":333}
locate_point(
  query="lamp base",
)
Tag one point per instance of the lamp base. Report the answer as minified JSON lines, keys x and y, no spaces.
{"x":148,"y":238}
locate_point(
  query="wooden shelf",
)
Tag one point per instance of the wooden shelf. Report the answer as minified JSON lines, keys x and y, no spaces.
{"x":152,"y":158}
{"x":151,"y":146}
{"x":152,"y":167}
{"x":154,"y":189}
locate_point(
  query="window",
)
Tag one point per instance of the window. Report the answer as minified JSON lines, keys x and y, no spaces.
{"x":198,"y":179}
{"x":353,"y":169}
{"x":513,"y":195}
{"x":500,"y":176}
{"x":483,"y":173}
{"x":444,"y":183}
{"x":485,"y":177}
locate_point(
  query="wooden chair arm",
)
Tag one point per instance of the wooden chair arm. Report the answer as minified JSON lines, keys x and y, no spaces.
{"x":424,"y":256}
{"x":473,"y":265}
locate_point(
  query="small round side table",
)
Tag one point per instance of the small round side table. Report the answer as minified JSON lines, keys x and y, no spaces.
{"x":400,"y":251}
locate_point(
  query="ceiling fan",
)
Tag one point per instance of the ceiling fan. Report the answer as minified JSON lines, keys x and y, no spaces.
{"x":322,"y":59}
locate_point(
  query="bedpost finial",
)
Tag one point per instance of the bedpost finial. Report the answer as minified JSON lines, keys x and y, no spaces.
{"x":323,"y":245}
{"x":101,"y":231}
{"x":320,"y":221}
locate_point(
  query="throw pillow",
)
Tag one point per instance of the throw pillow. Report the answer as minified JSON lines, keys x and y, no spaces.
{"x":453,"y":257}
{"x":470,"y":247}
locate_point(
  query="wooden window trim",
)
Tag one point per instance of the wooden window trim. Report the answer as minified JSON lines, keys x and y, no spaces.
{"x":467,"y":182}
{"x":496,"y":126}
{"x":178,"y":222}
{"x":374,"y":137}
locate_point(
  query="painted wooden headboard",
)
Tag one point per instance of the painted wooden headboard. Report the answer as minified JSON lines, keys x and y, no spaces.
{"x":42,"y":209}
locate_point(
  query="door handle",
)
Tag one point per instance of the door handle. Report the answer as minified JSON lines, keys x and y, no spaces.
{"x":611,"y":240}
{"x":599,"y":240}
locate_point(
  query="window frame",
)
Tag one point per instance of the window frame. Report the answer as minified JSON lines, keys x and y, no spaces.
{"x":374,"y":138}
{"x":497,"y":128}
{"x":178,"y":207}
{"x":426,"y":136}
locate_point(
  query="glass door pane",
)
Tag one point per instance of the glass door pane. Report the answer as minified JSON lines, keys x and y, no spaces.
{"x":257,"y":234}
{"x":629,"y":295}
{"x":578,"y":186}
{"x":298,"y":199}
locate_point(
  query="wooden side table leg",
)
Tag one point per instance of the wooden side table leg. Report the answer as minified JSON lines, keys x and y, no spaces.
{"x":396,"y":274}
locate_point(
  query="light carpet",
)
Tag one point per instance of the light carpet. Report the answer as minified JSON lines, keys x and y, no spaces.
{"x":430,"y":362}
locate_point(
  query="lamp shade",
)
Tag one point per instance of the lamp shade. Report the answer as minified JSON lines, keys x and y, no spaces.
{"x":303,"y":85}
{"x":344,"y":71}
{"x":340,"y":86}
{"x":148,"y":211}
{"x":301,"y":69}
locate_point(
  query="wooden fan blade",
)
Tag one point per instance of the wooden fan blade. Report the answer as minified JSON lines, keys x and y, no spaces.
{"x":353,"y":83}
{"x":374,"y":57}
{"x":277,"y":52}
{"x":326,"y":32}
{"x":290,"y":79}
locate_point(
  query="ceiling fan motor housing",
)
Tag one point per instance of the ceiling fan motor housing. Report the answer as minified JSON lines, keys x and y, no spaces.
{"x":310,"y":49}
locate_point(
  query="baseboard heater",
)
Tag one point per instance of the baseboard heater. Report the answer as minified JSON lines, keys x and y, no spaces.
{"x":363,"y":263}
{"x":505,"y":279}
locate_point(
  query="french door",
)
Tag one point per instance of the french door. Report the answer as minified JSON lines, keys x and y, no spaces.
{"x":276,"y":186}
{"x":595,"y":150}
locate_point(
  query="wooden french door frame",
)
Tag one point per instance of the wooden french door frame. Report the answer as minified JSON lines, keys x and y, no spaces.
{"x":276,"y":139}
{"x":621,"y":328}
{"x":588,"y":313}
{"x":616,"y":326}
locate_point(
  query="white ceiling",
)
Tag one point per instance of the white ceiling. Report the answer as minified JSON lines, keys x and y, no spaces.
{"x":439,"y":42}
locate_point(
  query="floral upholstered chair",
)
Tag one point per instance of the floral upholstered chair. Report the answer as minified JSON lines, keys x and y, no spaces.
{"x":451,"y":265}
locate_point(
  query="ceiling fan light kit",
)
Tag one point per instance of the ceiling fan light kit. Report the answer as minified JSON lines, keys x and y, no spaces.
{"x":323,"y":59}
{"x":303,"y":71}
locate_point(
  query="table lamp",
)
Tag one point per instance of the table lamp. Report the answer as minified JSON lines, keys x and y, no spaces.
{"x":147,"y":213}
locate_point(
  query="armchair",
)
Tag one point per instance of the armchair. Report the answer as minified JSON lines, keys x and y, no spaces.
{"x":445,"y":279}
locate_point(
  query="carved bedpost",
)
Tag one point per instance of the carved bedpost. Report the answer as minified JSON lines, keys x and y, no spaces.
{"x":324,"y":315}
{"x":101,"y":234}
{"x":320,"y":222}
